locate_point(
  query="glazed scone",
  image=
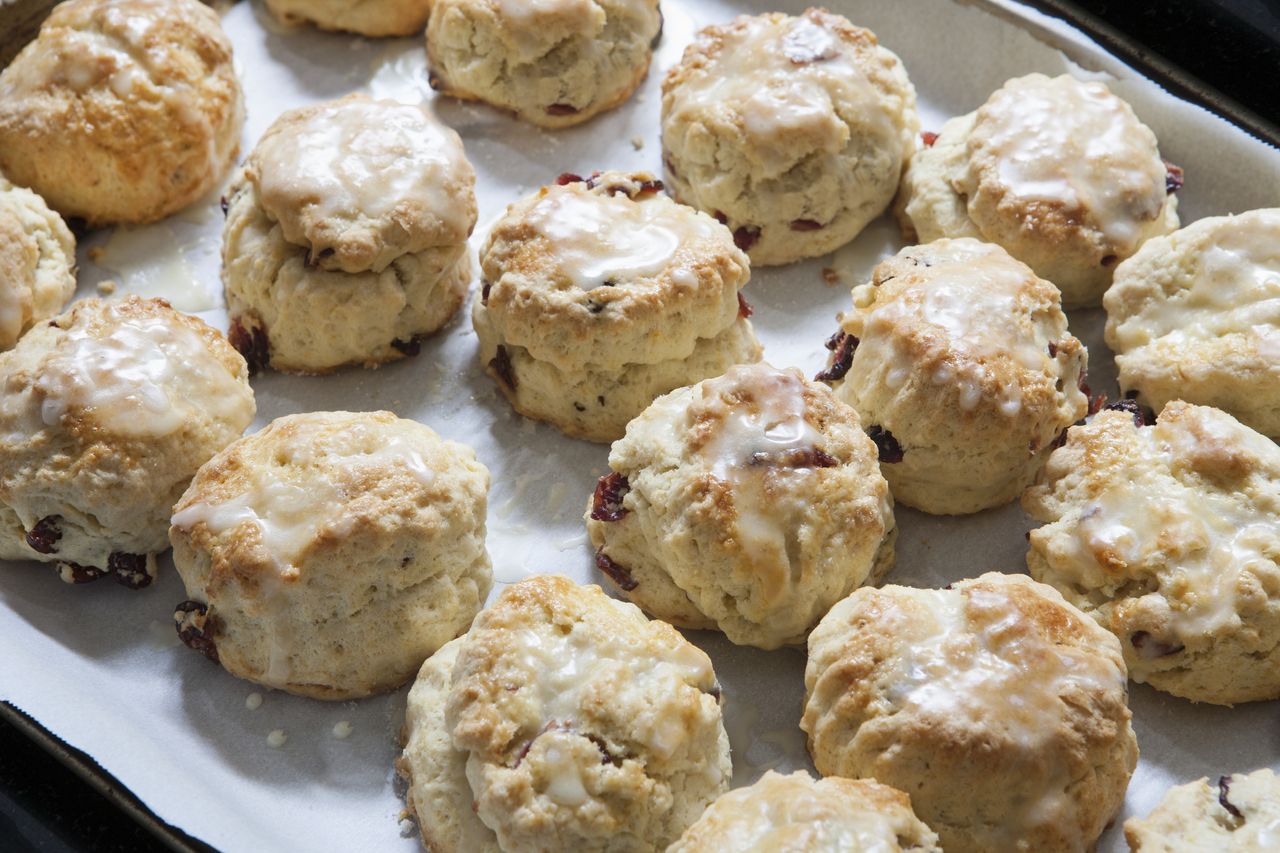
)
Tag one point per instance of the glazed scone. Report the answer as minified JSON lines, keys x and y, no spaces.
{"x":1195,"y":316}
{"x":346,"y":236}
{"x":1058,"y":171}
{"x":106,"y":412}
{"x":797,"y":814}
{"x":1167,"y":536}
{"x":37,"y":262}
{"x":749,"y":503}
{"x":794,"y":131}
{"x":331,"y":553}
{"x":553,"y":63}
{"x":373,"y":18}
{"x":600,"y":295}
{"x":122,"y":110}
{"x":1240,"y":814}
{"x":1000,"y":707}
{"x":564,"y":720}
{"x":958,"y":360}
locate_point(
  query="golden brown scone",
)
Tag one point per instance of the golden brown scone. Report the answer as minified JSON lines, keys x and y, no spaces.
{"x":106,"y":412}
{"x":749,"y":503}
{"x":958,"y":360}
{"x":1240,"y":814}
{"x":1167,"y":535}
{"x":329,"y":554}
{"x":1000,"y":707}
{"x":798,"y":814}
{"x":122,"y":110}
{"x":374,"y":18}
{"x":37,"y":262}
{"x":1195,"y":316}
{"x":566,"y":721}
{"x":1058,"y":171}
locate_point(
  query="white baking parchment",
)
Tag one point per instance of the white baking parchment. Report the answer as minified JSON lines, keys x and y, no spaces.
{"x":101,"y":667}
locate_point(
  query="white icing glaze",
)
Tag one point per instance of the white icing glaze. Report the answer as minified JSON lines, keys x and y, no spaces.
{"x":153,"y":261}
{"x":1073,"y":143}
{"x":139,"y":376}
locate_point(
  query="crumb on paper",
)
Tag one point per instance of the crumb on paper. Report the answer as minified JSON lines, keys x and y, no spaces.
{"x":107,"y":287}
{"x":342,"y":730}
{"x":637,"y":142}
{"x":276,"y":739}
{"x":830,"y":276}
{"x":253,"y":701}
{"x":408,"y":827}
{"x":96,"y":253}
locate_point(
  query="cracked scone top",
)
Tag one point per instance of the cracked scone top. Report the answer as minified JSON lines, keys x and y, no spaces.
{"x":564,"y":720}
{"x":798,"y":813}
{"x":553,"y":63}
{"x":122,"y":110}
{"x":1167,"y":535}
{"x":599,"y":295}
{"x":106,"y":412}
{"x":749,"y":503}
{"x":1195,"y":316}
{"x":37,"y":262}
{"x":1000,"y":707}
{"x":792,"y":130}
{"x":959,"y":362}
{"x":1238,"y":814}
{"x":374,"y":18}
{"x":1058,"y":171}
{"x":346,"y":235}
{"x":329,"y":554}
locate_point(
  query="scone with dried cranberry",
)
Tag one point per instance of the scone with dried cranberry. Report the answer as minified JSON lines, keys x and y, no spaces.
{"x":749,"y":503}
{"x":958,"y":360}
{"x":553,"y":63}
{"x":37,"y":262}
{"x":331,"y":553}
{"x":599,"y":295}
{"x":793,"y":131}
{"x":1001,"y":708}
{"x":1238,"y":814}
{"x":563,"y":720}
{"x":106,"y":412}
{"x":1058,"y":171}
{"x":1167,"y":535}
{"x":346,"y":236}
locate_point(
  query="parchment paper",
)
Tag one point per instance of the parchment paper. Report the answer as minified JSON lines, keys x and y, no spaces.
{"x":101,"y":667}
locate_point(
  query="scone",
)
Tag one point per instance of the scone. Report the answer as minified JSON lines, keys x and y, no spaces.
{"x":346,"y":236}
{"x":1240,"y":814}
{"x":331,"y":553}
{"x":1195,"y":316}
{"x":564,"y":720}
{"x":599,"y":295}
{"x":553,"y":63}
{"x":1058,"y":171}
{"x":37,"y":262}
{"x":1167,"y":535}
{"x":793,"y":131}
{"x":367,"y":17}
{"x":122,"y":110}
{"x":749,"y":503}
{"x":997,"y":705}
{"x":106,"y":412}
{"x":797,"y":814}
{"x":958,"y":360}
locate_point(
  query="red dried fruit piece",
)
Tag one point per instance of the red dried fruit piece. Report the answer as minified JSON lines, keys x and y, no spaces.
{"x":567,"y":178}
{"x":501,"y":365}
{"x":562,"y":110}
{"x":413,"y":346}
{"x":1109,"y":260}
{"x":606,"y":503}
{"x":928,"y":138}
{"x":806,"y":225}
{"x":830,"y":276}
{"x":433,"y":80}
{"x":1150,"y":648}
{"x":746,"y":236}
{"x":196,"y":627}
{"x":43,"y":537}
{"x":719,"y":216}
{"x":615,"y":573}
{"x":225,"y":205}
{"x":842,"y":344}
{"x":250,"y":343}
{"x":648,"y":188}
{"x":1130,"y":406}
{"x":744,"y":307}
{"x":76,"y":573}
{"x":1224,"y":788}
{"x":1059,"y":441}
{"x":130,"y":569}
{"x":1053,"y":350}
{"x":1172,"y":178}
{"x":485,"y":287}
{"x":889,"y":450}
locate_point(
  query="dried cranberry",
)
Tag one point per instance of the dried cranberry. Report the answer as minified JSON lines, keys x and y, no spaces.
{"x":225,"y":205}
{"x":567,"y":178}
{"x":1172,"y":178}
{"x":806,"y":225}
{"x":745,"y":236}
{"x":195,"y":628}
{"x":1109,"y":260}
{"x":1053,"y":350}
{"x":501,"y":365}
{"x":616,"y":573}
{"x":928,"y":138}
{"x":606,"y":503}
{"x":1059,"y":441}
{"x":744,"y":307}
{"x":607,"y":757}
{"x":842,"y":345}
{"x":413,"y":346}
{"x":720,"y":217}
{"x":562,"y":110}
{"x":485,"y":287}
{"x":830,"y":276}
{"x":649,"y":188}
{"x":1224,"y":788}
{"x":890,"y":450}
{"x":43,"y":537}
{"x":130,"y":569}
{"x":1150,"y":648}
{"x":250,"y":343}
{"x":76,"y":573}
{"x":1130,"y":406}
{"x":434,"y":81}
